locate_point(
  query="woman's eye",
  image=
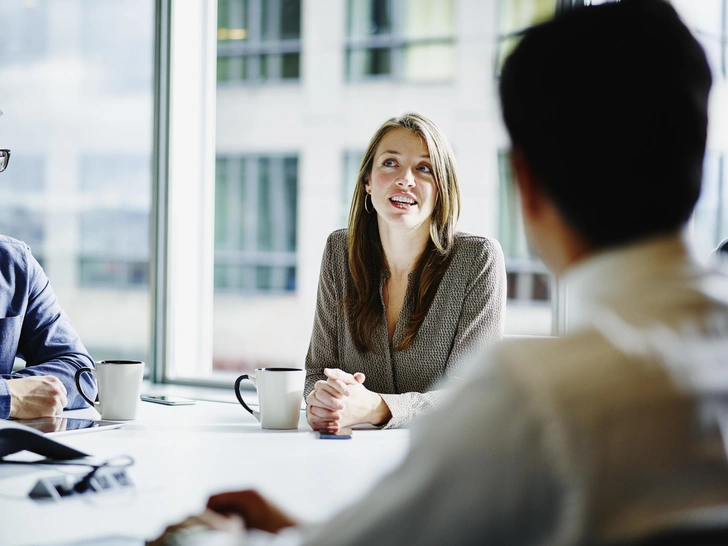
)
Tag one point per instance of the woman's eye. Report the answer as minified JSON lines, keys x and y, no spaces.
{"x":389,"y":163}
{"x":425,"y":168}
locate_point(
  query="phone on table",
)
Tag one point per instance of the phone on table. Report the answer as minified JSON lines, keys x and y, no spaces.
{"x":167,"y":400}
{"x":341,"y":434}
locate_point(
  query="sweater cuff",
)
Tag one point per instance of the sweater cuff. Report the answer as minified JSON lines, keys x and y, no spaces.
{"x":400,"y":409}
{"x":5,"y":398}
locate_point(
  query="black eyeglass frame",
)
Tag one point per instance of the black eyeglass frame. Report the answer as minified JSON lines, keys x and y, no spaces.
{"x":4,"y":159}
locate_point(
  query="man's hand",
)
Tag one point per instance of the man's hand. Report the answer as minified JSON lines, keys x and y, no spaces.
{"x":343,"y":400}
{"x":253,"y":508}
{"x":36,"y":396}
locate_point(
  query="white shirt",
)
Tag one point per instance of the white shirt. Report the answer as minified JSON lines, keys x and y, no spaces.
{"x":605,"y":433}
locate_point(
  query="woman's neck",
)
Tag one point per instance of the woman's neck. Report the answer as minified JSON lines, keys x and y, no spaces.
{"x":403,"y":248}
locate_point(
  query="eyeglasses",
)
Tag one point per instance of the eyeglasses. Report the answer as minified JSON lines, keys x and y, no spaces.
{"x":4,"y":159}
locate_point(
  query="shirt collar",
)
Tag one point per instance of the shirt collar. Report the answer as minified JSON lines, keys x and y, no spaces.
{"x":605,"y":277}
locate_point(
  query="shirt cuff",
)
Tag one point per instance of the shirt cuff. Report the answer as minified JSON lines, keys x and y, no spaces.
{"x":5,"y":398}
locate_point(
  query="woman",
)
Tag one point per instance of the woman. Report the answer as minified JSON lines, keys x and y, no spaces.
{"x":402,"y":296}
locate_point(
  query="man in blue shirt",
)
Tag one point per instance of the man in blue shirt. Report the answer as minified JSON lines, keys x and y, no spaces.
{"x":34,"y":327}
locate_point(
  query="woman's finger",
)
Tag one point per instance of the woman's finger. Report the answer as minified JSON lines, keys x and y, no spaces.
{"x":324,"y":399}
{"x":320,"y":413}
{"x":333,"y":391}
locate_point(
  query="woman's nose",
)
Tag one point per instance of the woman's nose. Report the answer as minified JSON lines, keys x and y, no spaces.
{"x":407,"y":180}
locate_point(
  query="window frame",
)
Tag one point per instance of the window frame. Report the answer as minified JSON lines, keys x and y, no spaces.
{"x":182,"y":208}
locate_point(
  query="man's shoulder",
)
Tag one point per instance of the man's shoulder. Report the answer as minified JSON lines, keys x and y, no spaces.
{"x":13,"y":248}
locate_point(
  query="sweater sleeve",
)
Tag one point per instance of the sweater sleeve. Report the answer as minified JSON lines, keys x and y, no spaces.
{"x":480,"y":322}
{"x":323,"y":349}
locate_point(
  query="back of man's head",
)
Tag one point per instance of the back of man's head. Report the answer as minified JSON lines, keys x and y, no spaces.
{"x":608,"y":104}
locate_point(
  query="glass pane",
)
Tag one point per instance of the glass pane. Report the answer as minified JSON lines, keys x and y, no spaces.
{"x":77,"y":109}
{"x":710,"y":222}
{"x":528,"y":281}
{"x":369,"y":62}
{"x":429,"y":63}
{"x":265,"y":228}
{"x":709,"y":21}
{"x":290,"y":22}
{"x":269,"y":67}
{"x":25,"y":31}
{"x":232,"y":20}
{"x":429,"y":19}
{"x":255,"y":254}
{"x":369,"y":18}
{"x":290,"y":63}
{"x":515,"y":15}
{"x":266,"y":288}
{"x":352,"y":161}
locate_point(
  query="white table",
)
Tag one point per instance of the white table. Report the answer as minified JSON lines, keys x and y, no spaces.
{"x":185,"y":453}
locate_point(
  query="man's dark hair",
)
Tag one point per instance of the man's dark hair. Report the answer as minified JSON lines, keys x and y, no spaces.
{"x":609,"y":106}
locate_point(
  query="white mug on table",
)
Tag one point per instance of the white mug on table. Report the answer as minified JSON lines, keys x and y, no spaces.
{"x":120,"y":383}
{"x":280,"y":392}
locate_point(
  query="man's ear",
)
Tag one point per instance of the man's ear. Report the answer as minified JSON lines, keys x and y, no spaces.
{"x":531,"y":193}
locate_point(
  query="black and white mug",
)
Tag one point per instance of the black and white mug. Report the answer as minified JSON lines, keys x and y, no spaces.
{"x":280,"y":392}
{"x":120,"y":383}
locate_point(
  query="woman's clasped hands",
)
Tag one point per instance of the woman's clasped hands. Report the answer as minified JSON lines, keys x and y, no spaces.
{"x":342,"y":401}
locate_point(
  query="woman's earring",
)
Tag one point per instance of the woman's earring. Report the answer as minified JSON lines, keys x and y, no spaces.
{"x":369,"y":195}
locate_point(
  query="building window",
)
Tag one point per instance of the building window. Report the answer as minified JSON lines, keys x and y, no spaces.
{"x":516,"y":16}
{"x":114,"y":220}
{"x":352,"y":162}
{"x":408,"y":40}
{"x":26,"y":31}
{"x":528,"y":278}
{"x":258,"y":41}
{"x":255,"y":223}
{"x":114,"y":251}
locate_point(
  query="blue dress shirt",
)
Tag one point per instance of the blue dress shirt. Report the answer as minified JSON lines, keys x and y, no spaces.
{"x":34,"y":327}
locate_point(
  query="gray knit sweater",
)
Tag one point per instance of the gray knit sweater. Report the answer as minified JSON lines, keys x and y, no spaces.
{"x":467,"y":313}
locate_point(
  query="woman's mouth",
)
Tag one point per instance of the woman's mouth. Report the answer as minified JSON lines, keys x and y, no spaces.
{"x":402,"y":201}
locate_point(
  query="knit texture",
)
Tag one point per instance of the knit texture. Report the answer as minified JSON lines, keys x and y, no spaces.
{"x":466,"y":314}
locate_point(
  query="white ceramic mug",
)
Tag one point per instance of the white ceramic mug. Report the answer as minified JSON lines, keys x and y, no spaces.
{"x":280,"y":392}
{"x":120,"y":383}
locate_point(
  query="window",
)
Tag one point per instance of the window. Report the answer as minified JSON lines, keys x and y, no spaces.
{"x":410,"y":40}
{"x":516,"y":15}
{"x":77,"y":114}
{"x":255,"y":224}
{"x":710,"y":221}
{"x":114,"y":227}
{"x":258,"y":40}
{"x":352,"y":162}
{"x":529,"y":292}
{"x":114,"y":249}
{"x":25,"y":35}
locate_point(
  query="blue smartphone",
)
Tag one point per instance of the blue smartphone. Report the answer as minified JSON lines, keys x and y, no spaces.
{"x":341,"y":434}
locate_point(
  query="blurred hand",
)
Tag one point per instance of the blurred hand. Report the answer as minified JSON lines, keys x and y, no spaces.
{"x":188,"y":530}
{"x":37,"y":396}
{"x":255,"y":511}
{"x":343,"y":400}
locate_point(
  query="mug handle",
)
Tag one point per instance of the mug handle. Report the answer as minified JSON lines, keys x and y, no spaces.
{"x":240,"y":396}
{"x":78,"y":385}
